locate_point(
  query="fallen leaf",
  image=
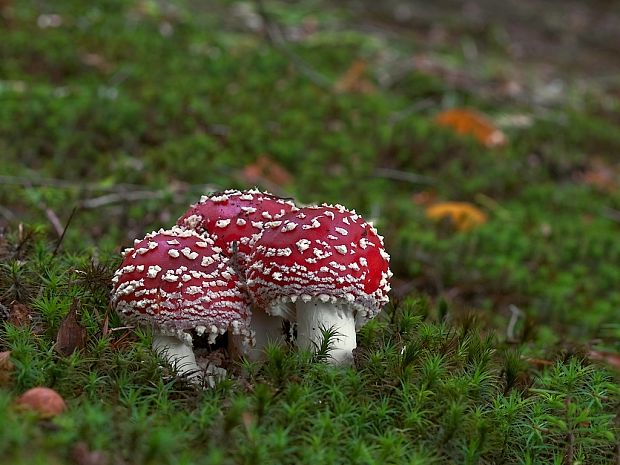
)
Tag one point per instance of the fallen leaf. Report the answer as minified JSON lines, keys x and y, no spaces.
{"x":46,"y":402}
{"x":539,"y":362}
{"x":268,"y":172}
{"x":354,"y":79}
{"x":610,"y":358}
{"x":6,"y":367}
{"x":71,"y":334}
{"x":472,"y":123}
{"x":601,"y":175}
{"x":463,"y":215}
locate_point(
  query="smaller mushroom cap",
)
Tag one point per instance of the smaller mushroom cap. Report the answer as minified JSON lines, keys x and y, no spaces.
{"x":323,"y":251}
{"x":235,"y":216}
{"x":46,"y":402}
{"x":177,"y":280}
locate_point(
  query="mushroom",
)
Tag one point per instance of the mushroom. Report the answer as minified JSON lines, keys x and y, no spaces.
{"x":45,"y":402}
{"x":234,"y":219}
{"x":176,"y":281}
{"x":328,"y":264}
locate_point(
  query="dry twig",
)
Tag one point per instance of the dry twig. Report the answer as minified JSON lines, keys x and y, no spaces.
{"x":62,"y":236}
{"x":406,"y":176}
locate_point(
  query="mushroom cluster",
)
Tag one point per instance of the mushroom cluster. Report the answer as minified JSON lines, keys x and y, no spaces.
{"x":241,"y":263}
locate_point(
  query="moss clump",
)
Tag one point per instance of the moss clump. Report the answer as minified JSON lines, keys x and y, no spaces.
{"x":130,"y":111}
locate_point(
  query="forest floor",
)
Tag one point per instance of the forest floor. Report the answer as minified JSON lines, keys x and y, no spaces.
{"x":483,"y":142}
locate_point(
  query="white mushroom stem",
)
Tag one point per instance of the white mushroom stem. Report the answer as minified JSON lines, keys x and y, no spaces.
{"x":267,"y":329}
{"x":315,"y":315}
{"x":179,"y":354}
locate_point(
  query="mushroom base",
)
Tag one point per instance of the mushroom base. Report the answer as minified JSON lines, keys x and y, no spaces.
{"x":267,"y":329}
{"x":181,"y":356}
{"x":316,"y":315}
{"x":178,"y":354}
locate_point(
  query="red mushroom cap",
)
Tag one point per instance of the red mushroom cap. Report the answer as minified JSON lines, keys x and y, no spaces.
{"x":235,"y":215}
{"x":176,"y":280}
{"x":327,"y":252}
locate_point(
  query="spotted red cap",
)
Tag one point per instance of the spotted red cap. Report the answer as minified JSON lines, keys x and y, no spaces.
{"x":327,"y":252}
{"x":234,"y":215}
{"x":176,"y":280}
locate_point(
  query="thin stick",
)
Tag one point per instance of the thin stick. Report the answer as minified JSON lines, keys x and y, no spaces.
{"x":62,"y":236}
{"x":53,"y":218}
{"x":121,"y":197}
{"x":417,"y":107}
{"x":406,"y":176}
{"x":514,"y":318}
{"x":61,"y":184}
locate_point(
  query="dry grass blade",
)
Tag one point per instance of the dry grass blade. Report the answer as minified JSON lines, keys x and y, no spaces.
{"x":6,"y":367}
{"x":64,"y":231}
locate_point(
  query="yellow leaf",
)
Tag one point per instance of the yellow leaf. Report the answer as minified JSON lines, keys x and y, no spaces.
{"x":472,"y":123}
{"x":463,"y":215}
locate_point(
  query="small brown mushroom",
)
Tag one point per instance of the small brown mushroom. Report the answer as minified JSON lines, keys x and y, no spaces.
{"x":46,"y":402}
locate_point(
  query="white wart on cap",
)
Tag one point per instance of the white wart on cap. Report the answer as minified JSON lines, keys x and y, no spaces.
{"x":331,"y":264}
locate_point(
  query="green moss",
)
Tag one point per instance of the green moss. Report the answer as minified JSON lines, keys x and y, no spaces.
{"x":109,"y":103}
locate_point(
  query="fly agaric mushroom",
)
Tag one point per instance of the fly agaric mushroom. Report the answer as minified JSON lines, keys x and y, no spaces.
{"x":234,"y":216}
{"x":329,"y":263}
{"x":234,"y":219}
{"x":176,"y":281}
